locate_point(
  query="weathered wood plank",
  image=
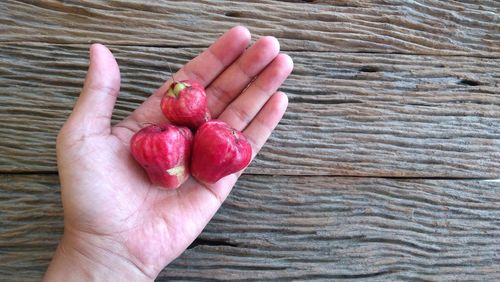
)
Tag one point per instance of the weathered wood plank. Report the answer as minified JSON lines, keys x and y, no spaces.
{"x":349,"y":114}
{"x":297,"y":228}
{"x":396,"y":26}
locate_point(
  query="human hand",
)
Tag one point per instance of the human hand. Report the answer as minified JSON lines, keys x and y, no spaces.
{"x":117,"y":225}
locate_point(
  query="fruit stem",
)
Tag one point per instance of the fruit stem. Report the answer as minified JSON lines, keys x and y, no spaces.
{"x":173,"y":76}
{"x":178,"y":87}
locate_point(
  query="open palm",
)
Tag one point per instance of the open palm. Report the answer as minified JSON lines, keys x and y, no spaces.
{"x":110,"y":206}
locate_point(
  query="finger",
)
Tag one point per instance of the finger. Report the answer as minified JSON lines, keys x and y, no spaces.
{"x":93,"y":109}
{"x":236,"y":77}
{"x":199,"y":194}
{"x":209,"y":64}
{"x":259,"y":130}
{"x":203,"y":200}
{"x":241,"y":111}
{"x":204,"y":68}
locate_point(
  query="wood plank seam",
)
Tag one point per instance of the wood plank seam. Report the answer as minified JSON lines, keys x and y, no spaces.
{"x":488,"y":55}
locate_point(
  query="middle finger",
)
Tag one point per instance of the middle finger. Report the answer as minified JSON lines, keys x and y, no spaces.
{"x":236,"y":77}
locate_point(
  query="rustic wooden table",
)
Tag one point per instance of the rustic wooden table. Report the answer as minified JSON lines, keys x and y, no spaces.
{"x":384,"y":166}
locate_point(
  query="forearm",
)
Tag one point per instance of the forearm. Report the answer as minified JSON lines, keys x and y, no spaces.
{"x":75,"y":261}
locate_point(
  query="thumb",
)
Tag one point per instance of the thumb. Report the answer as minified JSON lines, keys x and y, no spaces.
{"x":93,"y":109}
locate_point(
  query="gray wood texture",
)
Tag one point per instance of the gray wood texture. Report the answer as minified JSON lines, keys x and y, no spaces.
{"x":276,"y":227}
{"x":385,"y":167}
{"x":417,"y":27}
{"x":349,"y":114}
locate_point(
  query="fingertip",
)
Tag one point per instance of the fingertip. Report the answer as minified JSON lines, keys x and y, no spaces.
{"x":103,"y":65}
{"x":242,"y":32}
{"x":280,"y":104}
{"x":287,"y":61}
{"x":95,"y":49}
{"x":271,"y":43}
{"x":230,"y":45}
{"x":283,"y":98}
{"x":100,"y":51}
{"x":93,"y":46}
{"x":92,"y":51}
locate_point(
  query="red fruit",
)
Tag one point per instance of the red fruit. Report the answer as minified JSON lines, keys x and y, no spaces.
{"x":164,"y":152}
{"x":185,"y":104}
{"x":218,"y":150}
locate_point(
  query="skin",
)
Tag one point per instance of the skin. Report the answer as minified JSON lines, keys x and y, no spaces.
{"x":117,"y":225}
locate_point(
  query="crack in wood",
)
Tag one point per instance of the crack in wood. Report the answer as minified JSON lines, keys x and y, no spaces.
{"x":469,"y":82}
{"x":369,"y":69}
{"x":210,"y":242}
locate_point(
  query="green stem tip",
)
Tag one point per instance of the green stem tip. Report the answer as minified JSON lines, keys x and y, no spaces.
{"x":178,"y":87}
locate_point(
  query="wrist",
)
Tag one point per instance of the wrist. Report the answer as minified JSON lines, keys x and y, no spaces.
{"x":77,"y":259}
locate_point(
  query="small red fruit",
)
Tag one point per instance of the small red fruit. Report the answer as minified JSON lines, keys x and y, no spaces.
{"x":185,"y":104}
{"x":164,"y":152}
{"x":218,"y":150}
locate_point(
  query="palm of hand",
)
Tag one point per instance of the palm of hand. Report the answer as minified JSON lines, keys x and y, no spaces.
{"x":120,"y":205}
{"x":108,"y":200}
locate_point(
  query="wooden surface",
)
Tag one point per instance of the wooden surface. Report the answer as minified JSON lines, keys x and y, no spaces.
{"x":300,"y":227}
{"x":382,"y":169}
{"x":386,"y":26}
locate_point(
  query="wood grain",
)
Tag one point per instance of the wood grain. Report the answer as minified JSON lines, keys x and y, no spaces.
{"x":297,"y":228}
{"x":403,"y":89}
{"x":382,"y":26}
{"x":349,"y":114}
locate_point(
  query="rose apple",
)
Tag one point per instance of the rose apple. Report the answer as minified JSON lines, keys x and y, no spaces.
{"x":164,"y":152}
{"x":185,"y":104}
{"x":218,"y":150}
